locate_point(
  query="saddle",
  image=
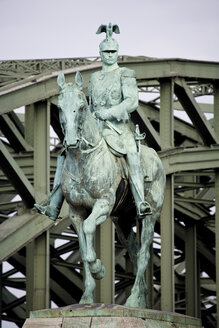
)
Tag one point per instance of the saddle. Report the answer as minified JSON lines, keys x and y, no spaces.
{"x":114,"y":142}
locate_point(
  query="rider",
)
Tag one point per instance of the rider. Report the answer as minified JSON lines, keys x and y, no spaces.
{"x":113,"y":96}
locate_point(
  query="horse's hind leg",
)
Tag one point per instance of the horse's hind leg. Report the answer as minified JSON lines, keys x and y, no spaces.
{"x":139,"y":291}
{"x":77,"y":217}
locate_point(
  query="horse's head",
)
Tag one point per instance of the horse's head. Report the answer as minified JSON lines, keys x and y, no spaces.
{"x":72,"y":103}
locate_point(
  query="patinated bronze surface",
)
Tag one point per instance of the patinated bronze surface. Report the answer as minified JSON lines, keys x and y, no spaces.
{"x":101,"y":154}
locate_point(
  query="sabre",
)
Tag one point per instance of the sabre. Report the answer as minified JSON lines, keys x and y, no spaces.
{"x":112,"y":127}
{"x":138,"y":137}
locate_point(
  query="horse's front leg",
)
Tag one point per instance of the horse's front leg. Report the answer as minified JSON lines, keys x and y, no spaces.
{"x":77,"y":218}
{"x":98,"y":215}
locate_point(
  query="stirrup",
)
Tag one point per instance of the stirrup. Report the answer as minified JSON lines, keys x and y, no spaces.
{"x":143,"y":209}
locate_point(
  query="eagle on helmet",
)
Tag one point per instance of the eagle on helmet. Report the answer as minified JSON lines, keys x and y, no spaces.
{"x":108,"y":29}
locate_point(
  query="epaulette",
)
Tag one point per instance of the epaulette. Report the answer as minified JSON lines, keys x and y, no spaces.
{"x":127,"y":72}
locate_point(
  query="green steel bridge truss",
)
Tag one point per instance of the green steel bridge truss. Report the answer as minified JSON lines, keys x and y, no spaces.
{"x":40,"y":261}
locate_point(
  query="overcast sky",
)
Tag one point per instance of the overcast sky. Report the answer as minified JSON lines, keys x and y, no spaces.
{"x":38,"y":29}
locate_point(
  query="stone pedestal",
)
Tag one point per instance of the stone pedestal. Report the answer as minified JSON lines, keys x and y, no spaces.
{"x":107,"y":316}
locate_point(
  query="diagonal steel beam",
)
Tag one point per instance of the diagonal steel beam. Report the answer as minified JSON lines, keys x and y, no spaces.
{"x":17,"y":313}
{"x":196,"y":115}
{"x":189,"y":210}
{"x":13,"y":135}
{"x":180,"y":126}
{"x":66,"y":284}
{"x":203,"y":249}
{"x":152,"y":137}
{"x":14,"y":304}
{"x":16,"y":176}
{"x":15,"y":119}
{"x":194,"y":200}
{"x":18,"y":231}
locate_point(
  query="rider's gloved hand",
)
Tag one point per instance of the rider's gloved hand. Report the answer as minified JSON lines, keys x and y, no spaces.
{"x":104,"y":114}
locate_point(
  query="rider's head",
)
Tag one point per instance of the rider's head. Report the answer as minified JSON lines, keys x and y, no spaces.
{"x":109,"y":51}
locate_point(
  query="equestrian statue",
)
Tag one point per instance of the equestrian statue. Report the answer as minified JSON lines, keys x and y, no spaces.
{"x":103,"y":166}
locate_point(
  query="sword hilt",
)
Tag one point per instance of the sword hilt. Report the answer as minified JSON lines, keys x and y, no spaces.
{"x":139,"y":136}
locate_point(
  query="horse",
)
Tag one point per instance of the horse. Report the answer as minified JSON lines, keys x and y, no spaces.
{"x":90,"y":181}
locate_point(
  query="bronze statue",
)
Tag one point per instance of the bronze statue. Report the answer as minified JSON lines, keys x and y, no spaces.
{"x":92,"y":167}
{"x":113,"y":96}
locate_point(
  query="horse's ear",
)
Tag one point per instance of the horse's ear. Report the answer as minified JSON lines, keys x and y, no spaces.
{"x":79,"y":80}
{"x":61,"y":80}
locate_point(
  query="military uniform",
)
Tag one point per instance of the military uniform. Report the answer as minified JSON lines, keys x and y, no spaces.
{"x":113,"y":96}
{"x":116,"y":94}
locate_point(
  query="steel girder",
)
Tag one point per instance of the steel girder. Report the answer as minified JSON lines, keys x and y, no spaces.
{"x":190,"y":157}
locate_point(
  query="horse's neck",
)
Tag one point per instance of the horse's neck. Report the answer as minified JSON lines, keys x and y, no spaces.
{"x":90,"y":141}
{"x":90,"y":134}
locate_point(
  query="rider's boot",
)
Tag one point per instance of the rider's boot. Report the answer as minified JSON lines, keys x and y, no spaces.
{"x":136,"y":180}
{"x":50,"y":211}
{"x":56,"y":198}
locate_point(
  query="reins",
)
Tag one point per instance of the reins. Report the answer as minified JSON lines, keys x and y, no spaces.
{"x":88,"y":151}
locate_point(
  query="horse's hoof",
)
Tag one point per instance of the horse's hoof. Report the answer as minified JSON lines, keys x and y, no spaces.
{"x":130,"y":302}
{"x":95,"y":267}
{"x":136,"y":301}
{"x":86,"y":300}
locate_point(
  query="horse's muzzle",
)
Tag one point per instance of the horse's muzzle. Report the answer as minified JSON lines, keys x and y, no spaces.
{"x":71,"y":145}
